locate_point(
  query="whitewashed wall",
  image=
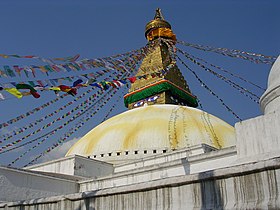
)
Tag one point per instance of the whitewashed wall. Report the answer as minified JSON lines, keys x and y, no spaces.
{"x":76,"y":166}
{"x":249,"y":186}
{"x":20,"y":185}
{"x":177,"y":163}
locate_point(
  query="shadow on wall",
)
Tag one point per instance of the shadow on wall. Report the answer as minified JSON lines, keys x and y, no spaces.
{"x":207,"y":194}
{"x":186,"y":166}
{"x":210,"y":193}
{"x":87,"y":202}
{"x":90,"y":203}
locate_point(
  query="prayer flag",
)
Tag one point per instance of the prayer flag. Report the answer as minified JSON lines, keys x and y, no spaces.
{"x":9,"y":71}
{"x":14,"y":92}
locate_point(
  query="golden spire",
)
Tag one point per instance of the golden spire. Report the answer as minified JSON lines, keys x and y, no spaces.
{"x":158,"y":27}
{"x":154,"y":84}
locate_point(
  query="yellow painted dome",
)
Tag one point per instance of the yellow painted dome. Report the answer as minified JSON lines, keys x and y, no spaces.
{"x":156,"y":127}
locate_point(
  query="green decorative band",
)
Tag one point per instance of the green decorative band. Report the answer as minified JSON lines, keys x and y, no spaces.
{"x":157,"y":88}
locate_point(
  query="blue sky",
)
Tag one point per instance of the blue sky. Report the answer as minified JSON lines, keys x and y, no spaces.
{"x":102,"y":28}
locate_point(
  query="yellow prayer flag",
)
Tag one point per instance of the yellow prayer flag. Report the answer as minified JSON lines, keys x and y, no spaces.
{"x":14,"y":92}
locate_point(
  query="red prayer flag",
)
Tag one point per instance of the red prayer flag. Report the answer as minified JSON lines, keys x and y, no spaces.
{"x":132,"y":79}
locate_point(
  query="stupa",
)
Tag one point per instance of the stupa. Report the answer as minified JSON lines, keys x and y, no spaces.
{"x":163,"y":153}
{"x":161,"y":116}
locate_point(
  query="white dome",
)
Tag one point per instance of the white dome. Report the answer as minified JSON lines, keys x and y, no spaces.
{"x":157,"y":127}
{"x":270,"y":100}
{"x":274,"y":75}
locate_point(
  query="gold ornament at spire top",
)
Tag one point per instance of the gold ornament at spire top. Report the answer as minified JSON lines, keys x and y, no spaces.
{"x":158,"y":27}
{"x":158,"y":14}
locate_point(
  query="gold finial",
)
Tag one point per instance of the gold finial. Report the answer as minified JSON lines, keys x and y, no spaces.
{"x":157,"y":22}
{"x":158,"y":14}
{"x":158,"y":27}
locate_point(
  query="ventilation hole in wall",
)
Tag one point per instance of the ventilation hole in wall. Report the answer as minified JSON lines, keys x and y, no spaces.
{"x":126,"y":153}
{"x":145,"y":151}
{"x":154,"y":151}
{"x":109,"y":154}
{"x":164,"y":151}
{"x":118,"y":153}
{"x":88,"y":156}
{"x":135,"y":152}
{"x":102,"y":155}
{"x":94,"y":156}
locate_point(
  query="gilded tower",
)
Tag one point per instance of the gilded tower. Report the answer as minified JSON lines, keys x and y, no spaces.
{"x":161,"y":80}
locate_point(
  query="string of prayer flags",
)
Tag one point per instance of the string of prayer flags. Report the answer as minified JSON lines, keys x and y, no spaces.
{"x":14,"y":120}
{"x":120,"y":62}
{"x":42,"y":84}
{"x":33,"y":92}
{"x":73,"y":118}
{"x":114,"y":106}
{"x":3,"y":149}
{"x":37,"y":121}
{"x":33,"y":111}
{"x":242,"y":90}
{"x":85,"y":64}
{"x":253,"y":57}
{"x":70,"y":58}
{"x":228,"y":72}
{"x":72,"y":90}
{"x":32,"y":124}
{"x":47,"y":135}
{"x":208,"y":89}
{"x":75,"y":128}
{"x":83,"y":105}
{"x":15,"y":91}
{"x":17,"y":56}
{"x":67,"y":89}
{"x":97,"y":106}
